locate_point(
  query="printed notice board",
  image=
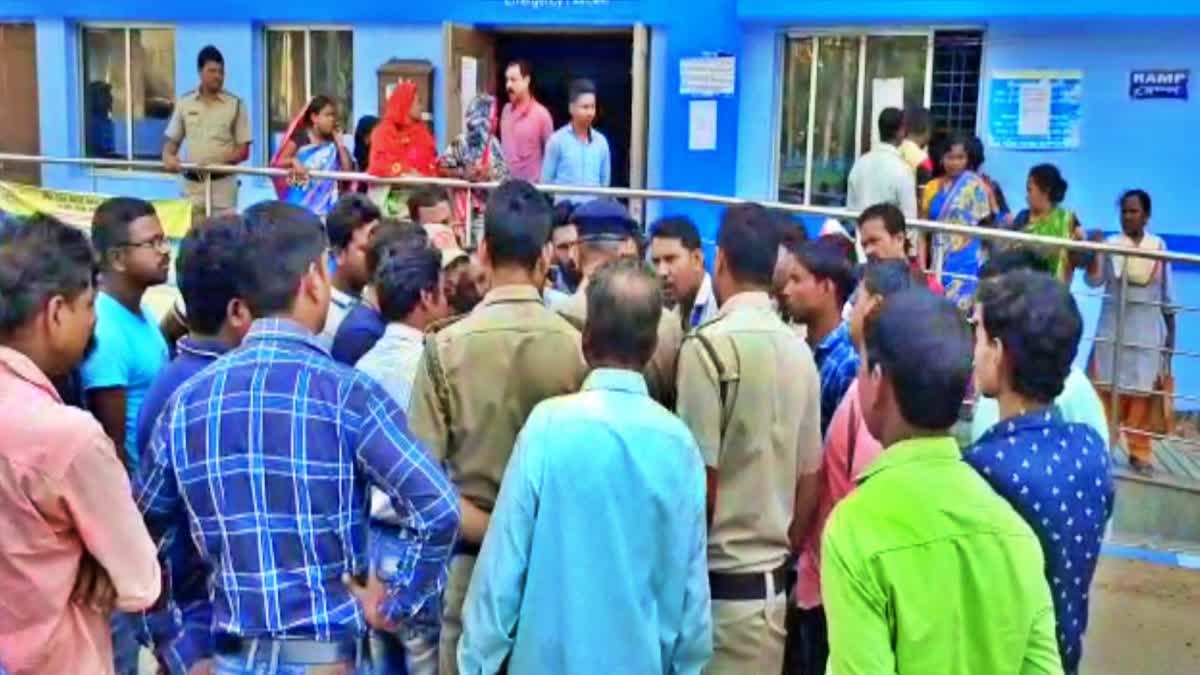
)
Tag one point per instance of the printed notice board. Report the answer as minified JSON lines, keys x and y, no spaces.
{"x":1035,"y":109}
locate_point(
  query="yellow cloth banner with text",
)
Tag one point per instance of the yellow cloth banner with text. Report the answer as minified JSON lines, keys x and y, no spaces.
{"x":76,"y":208}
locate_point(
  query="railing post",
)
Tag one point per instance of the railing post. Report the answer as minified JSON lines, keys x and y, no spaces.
{"x":1114,"y":413}
{"x":468,"y":220}
{"x":208,"y":194}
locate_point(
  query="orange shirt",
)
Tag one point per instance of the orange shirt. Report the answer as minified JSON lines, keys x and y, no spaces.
{"x":63,"y":492}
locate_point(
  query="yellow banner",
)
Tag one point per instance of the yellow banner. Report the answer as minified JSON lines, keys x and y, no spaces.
{"x":76,"y":208}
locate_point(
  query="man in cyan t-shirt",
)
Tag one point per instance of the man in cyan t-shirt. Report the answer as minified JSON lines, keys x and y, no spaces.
{"x":130,"y":348}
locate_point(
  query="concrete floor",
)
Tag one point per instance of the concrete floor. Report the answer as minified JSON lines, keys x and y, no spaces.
{"x":1145,"y":620}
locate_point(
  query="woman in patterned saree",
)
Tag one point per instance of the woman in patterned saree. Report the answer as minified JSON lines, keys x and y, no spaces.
{"x":313,"y":143}
{"x":961,"y":197}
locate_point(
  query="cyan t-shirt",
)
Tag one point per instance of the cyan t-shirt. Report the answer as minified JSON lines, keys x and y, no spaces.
{"x":130,"y":352}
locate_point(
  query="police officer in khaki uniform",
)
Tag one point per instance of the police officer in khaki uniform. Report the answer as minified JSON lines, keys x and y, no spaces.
{"x":216,"y":125}
{"x":482,"y":375}
{"x":606,"y":232}
{"x":750,"y":392}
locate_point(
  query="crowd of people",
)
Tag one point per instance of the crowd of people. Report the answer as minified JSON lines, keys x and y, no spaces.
{"x":355,"y":446}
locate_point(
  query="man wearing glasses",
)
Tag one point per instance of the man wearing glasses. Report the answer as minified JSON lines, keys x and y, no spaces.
{"x":129,"y":347}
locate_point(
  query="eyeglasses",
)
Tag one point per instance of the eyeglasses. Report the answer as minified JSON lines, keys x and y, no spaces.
{"x":160,"y":242}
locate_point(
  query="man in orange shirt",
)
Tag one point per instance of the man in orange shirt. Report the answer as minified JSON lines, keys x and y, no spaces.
{"x":72,"y":544}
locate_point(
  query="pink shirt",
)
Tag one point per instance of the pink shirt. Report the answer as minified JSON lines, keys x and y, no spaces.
{"x":63,"y":492}
{"x":524,"y":131}
{"x":837,"y":481}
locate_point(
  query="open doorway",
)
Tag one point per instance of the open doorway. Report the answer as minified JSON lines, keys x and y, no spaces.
{"x":558,"y":56}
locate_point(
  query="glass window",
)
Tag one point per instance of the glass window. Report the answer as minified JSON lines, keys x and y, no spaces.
{"x":825,"y":127}
{"x":301,"y":64}
{"x":128,"y":91}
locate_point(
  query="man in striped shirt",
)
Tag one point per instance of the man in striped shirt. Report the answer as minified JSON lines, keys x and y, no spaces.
{"x":272,"y":451}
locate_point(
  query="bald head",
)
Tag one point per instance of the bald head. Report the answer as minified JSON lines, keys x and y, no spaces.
{"x":624,"y":307}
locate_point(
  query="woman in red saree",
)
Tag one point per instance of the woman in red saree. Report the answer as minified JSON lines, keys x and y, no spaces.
{"x":401,"y":145}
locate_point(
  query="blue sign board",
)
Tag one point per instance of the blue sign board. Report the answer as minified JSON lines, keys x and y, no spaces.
{"x":1035,"y":109}
{"x":1168,"y":84}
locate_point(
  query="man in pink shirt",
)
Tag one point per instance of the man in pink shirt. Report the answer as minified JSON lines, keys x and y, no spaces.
{"x":72,"y":544}
{"x":525,"y":124}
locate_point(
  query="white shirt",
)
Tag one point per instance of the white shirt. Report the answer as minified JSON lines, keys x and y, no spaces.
{"x":882,"y":176}
{"x":704,"y":308}
{"x":393,"y":363}
{"x":339,"y":306}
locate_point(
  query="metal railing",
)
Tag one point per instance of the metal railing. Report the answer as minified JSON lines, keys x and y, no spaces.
{"x":1011,"y":237}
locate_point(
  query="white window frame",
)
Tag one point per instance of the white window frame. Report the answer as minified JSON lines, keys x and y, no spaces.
{"x":307,"y":29}
{"x":862,"y":33}
{"x":81,"y":69}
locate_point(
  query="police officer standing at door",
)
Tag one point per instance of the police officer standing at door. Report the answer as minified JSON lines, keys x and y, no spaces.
{"x":217,"y":129}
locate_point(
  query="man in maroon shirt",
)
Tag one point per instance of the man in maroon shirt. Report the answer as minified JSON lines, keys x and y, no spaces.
{"x":525,"y":124}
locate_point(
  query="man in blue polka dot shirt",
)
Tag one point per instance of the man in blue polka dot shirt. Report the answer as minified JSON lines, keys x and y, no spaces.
{"x":1056,"y":474}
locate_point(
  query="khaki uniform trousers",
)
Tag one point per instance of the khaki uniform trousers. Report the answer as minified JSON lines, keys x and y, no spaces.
{"x":749,"y":635}
{"x":224,"y":196}
{"x":461,"y":567}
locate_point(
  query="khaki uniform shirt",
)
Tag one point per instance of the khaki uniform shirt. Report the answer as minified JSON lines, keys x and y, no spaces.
{"x":481,"y":376}
{"x":660,"y":371}
{"x":212,"y":128}
{"x":765,"y":436}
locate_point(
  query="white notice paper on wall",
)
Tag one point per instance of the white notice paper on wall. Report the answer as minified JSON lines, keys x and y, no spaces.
{"x":702,"y":125}
{"x":470,"y":80}
{"x":1033,"y":109}
{"x":707,"y":76}
{"x":886,"y":92}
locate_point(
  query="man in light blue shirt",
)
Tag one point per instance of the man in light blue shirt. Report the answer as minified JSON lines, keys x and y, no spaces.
{"x":577,"y":154}
{"x":595,"y":559}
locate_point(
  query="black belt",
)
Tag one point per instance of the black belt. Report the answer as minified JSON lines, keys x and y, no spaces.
{"x":314,"y":652}
{"x":197,"y":177}
{"x":746,"y":585}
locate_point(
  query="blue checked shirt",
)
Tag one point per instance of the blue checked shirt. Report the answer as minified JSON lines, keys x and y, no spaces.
{"x":271,"y":452}
{"x":837,"y":361}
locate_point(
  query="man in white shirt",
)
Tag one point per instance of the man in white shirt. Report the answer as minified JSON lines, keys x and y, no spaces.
{"x":882,"y":176}
{"x":410,"y":294}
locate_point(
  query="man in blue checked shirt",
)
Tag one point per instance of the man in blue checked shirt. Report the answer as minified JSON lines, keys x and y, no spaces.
{"x":271,"y":452}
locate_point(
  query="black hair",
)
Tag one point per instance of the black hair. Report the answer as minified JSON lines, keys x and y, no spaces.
{"x":516,"y":224}
{"x":402,"y":276}
{"x":40,"y":258}
{"x":315,"y":106}
{"x":579,"y":88}
{"x":525,"y":68}
{"x":1142,"y":196}
{"x":362,"y":140}
{"x":206,"y":270}
{"x":921,"y":343}
{"x":1049,"y":180}
{"x":283,"y":242}
{"x":389,"y":235}
{"x":887,"y":277}
{"x":975,"y":153}
{"x":209,"y":54}
{"x":959,"y":139}
{"x":426,"y":197}
{"x":750,"y":242}
{"x":890,"y":214}
{"x":351,"y":213}
{"x":891,"y":121}
{"x":562,"y":214}
{"x":1034,"y":316}
{"x":826,"y":260}
{"x":624,"y":306}
{"x":677,"y":227}
{"x":791,"y":231}
{"x":1014,"y":259}
{"x":916,"y":120}
{"x":110,"y":223}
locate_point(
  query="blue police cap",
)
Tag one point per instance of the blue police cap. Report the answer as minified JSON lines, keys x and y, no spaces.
{"x":603,"y":219}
